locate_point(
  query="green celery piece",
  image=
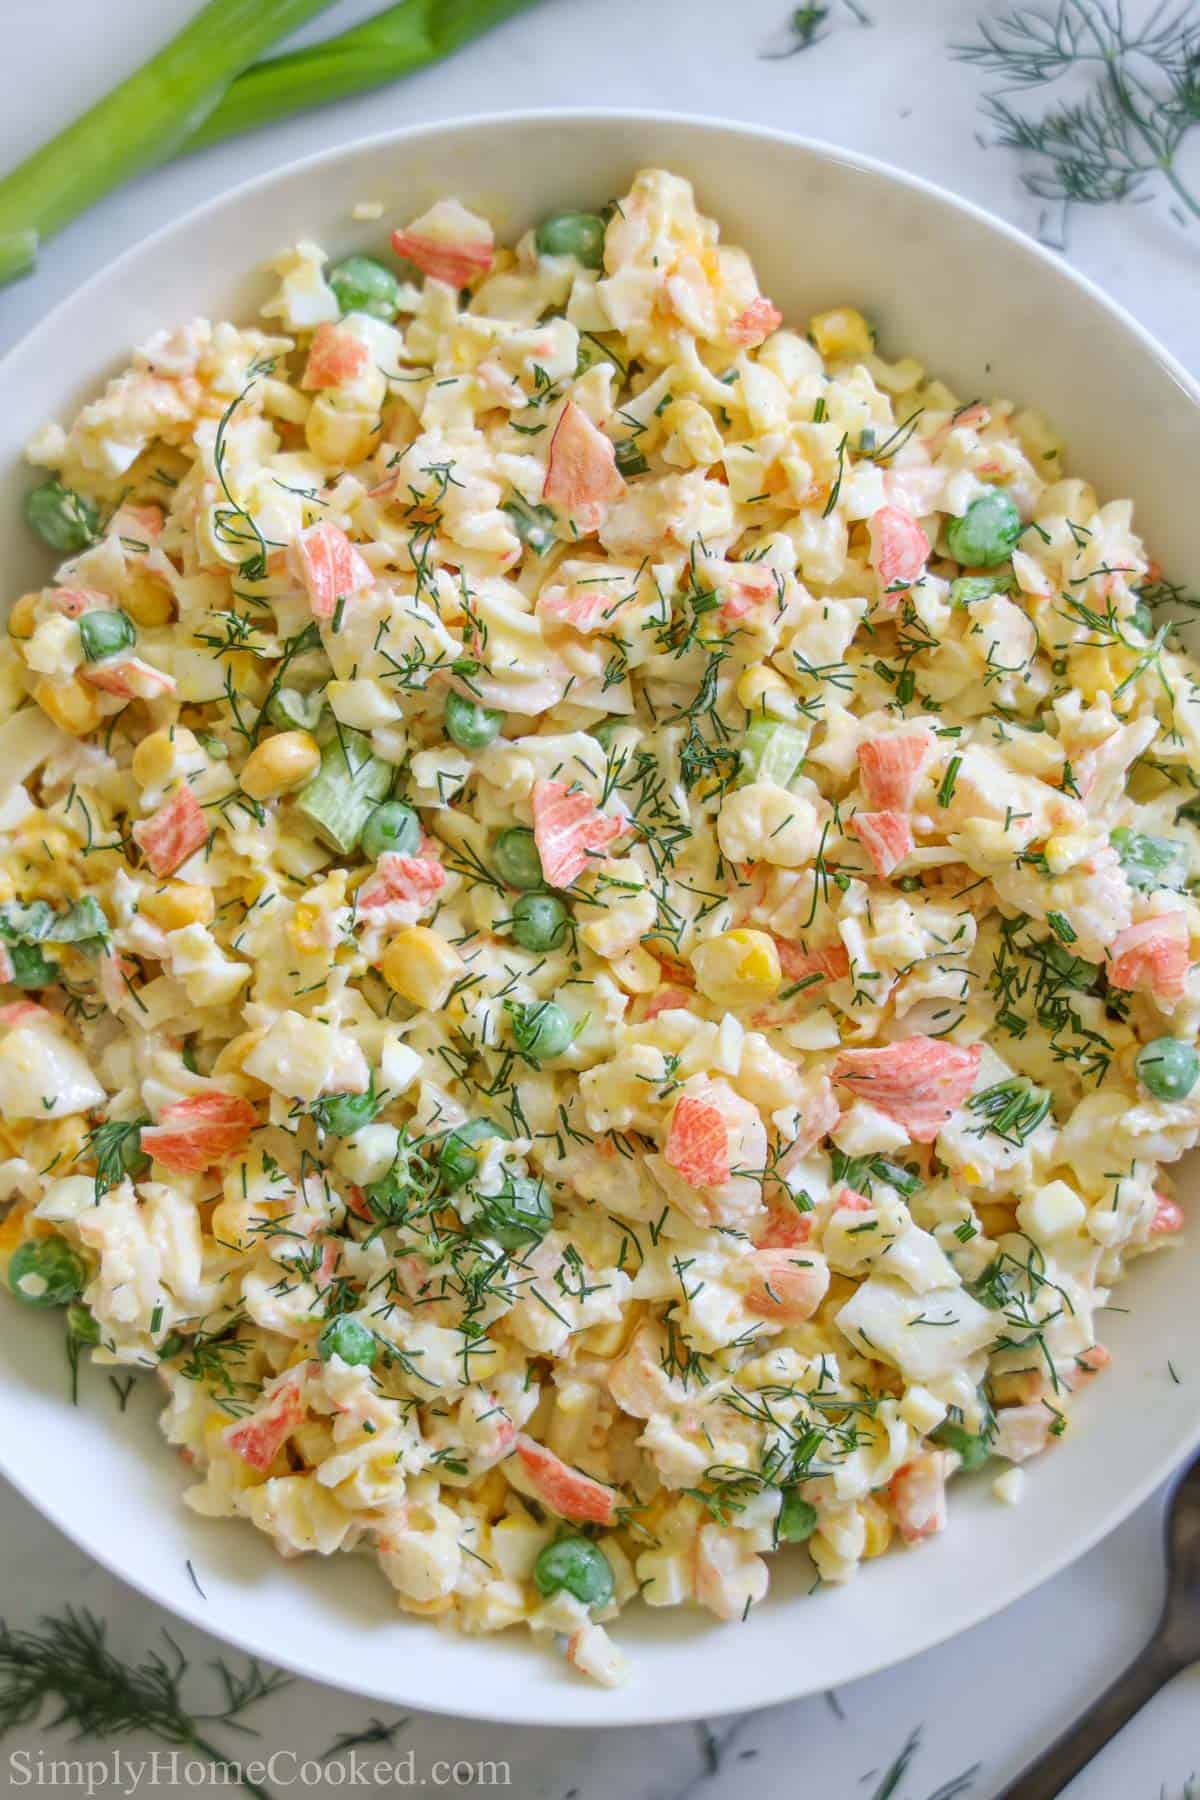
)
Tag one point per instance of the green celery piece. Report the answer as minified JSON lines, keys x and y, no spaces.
{"x":140,"y":123}
{"x":772,"y":751}
{"x":396,"y":42}
{"x":345,"y":790}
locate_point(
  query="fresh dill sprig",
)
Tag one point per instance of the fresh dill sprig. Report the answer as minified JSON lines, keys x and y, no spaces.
{"x":67,"y":1661}
{"x":1140,"y":101}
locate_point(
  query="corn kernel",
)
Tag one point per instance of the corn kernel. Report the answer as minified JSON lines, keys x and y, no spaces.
{"x":283,"y":762}
{"x":841,"y":331}
{"x":1095,"y":671}
{"x":877,"y":1527}
{"x":179,"y":903}
{"x":421,"y":967}
{"x":146,"y":599}
{"x":73,"y":706}
{"x":762,"y":689}
{"x":21,"y":616}
{"x":154,"y":759}
{"x":1064,"y":849}
{"x":739,"y":967}
{"x":305,"y":931}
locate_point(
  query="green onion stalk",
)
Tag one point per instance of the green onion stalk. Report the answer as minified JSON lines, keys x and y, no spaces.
{"x":201,"y":87}
{"x":141,"y":123}
{"x":396,"y":42}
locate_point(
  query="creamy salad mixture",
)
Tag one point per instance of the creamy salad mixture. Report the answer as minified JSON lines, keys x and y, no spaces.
{"x":596,"y":895}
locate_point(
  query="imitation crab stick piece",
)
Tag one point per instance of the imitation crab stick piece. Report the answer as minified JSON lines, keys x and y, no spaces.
{"x":581,"y":472}
{"x":899,"y":551}
{"x":447,"y":243}
{"x":259,"y":1438}
{"x":397,"y":877}
{"x":138,"y":524}
{"x":698,"y":1142}
{"x":130,"y":677}
{"x":586,"y":608}
{"x":568,"y":829}
{"x":205,"y":1129}
{"x":176,"y":831}
{"x":330,"y":567}
{"x":1168,"y":1216}
{"x":831,"y":963}
{"x":785,"y":1287}
{"x":885,"y":836}
{"x":918,"y":1082}
{"x":1152,"y":955}
{"x":667,"y":999}
{"x":335,"y":355}
{"x":918,"y":1496}
{"x":755,"y":325}
{"x":890,"y":769}
{"x":566,"y":1491}
{"x":74,"y":602}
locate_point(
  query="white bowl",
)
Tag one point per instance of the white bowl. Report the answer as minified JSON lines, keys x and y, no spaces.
{"x":994,"y":314}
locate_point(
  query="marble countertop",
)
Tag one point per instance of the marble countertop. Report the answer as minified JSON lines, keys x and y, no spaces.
{"x":960,"y":1720}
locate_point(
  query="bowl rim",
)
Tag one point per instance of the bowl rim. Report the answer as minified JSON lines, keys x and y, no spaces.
{"x":778,"y":1686}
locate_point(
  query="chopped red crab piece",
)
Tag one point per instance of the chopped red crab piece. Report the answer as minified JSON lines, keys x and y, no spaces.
{"x":581,"y":472}
{"x":195,"y":1134}
{"x":138,"y":524}
{"x":566,"y":1491}
{"x":899,"y":551}
{"x":890,"y":769}
{"x":1168,"y":1216}
{"x":831,"y":963}
{"x":396,"y":877}
{"x":850,"y":1200}
{"x":330,"y":567}
{"x":74,"y":602}
{"x":698,"y":1142}
{"x":259,"y":1438}
{"x":1022,"y":1431}
{"x":1152,"y":955}
{"x":569,"y":829}
{"x":785,"y":1287}
{"x":785,"y":1227}
{"x":885,"y":836}
{"x":755,"y":325}
{"x":334,"y":356}
{"x":130,"y":677}
{"x":176,"y":831}
{"x":447,"y":243}
{"x":819,"y":1117}
{"x":588,"y":607}
{"x":667,"y":999}
{"x":918,"y":1496}
{"x":918,"y":1082}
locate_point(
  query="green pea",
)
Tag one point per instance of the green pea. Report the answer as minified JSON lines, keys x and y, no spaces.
{"x":797,"y":1518}
{"x":973,"y":1449}
{"x":579,"y":1566}
{"x":341,"y":1115}
{"x":291,"y":710}
{"x":521,"y":1213}
{"x":458,"y":1159}
{"x":1151,"y":862}
{"x":987,"y":532}
{"x":1168,"y":1068}
{"x":516,"y":858}
{"x":62,"y":518}
{"x":348,"y":1338}
{"x":576,"y":234}
{"x":391,"y":1198}
{"x":30,"y":968}
{"x":360,"y":284}
{"x":105,"y":633}
{"x":469,"y":725}
{"x":541,"y":1030}
{"x":46,"y":1272}
{"x":81,"y":1324}
{"x":392,"y":826}
{"x":540,"y":922}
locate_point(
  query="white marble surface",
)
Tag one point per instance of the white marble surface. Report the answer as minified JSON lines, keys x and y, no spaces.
{"x":982,"y":1705}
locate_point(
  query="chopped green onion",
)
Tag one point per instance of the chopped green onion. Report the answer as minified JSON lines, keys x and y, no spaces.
{"x":291,"y":710}
{"x":534,"y":525}
{"x":772,"y":752}
{"x":1151,"y":862}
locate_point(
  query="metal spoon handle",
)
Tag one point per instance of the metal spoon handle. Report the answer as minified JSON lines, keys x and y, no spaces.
{"x":1056,"y":1767}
